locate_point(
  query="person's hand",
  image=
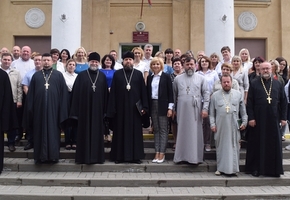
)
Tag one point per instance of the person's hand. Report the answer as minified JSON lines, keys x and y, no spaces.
{"x":213,"y":129}
{"x":19,"y":104}
{"x":204,"y":114}
{"x":169,"y":113}
{"x":242,"y":127}
{"x":283,"y":122}
{"x":252,"y":123}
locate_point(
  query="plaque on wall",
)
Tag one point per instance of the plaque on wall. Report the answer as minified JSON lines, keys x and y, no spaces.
{"x":247,"y":21}
{"x":34,"y":18}
{"x":140,"y":37}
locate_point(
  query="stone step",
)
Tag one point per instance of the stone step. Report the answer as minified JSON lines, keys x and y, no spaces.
{"x":138,"y":179}
{"x":142,"y":193}
{"x":68,"y":165}
{"x":149,"y":153}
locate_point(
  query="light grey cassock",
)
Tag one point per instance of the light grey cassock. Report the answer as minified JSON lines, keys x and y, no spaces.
{"x":227,"y":136}
{"x":189,"y":91}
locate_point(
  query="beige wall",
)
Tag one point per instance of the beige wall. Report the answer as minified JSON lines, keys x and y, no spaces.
{"x":172,"y":23}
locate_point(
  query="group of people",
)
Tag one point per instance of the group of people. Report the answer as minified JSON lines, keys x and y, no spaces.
{"x":88,"y":96}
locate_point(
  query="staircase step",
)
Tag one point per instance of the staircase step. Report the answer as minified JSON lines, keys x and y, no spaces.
{"x":129,"y":179}
{"x":64,"y":165}
{"x":142,"y":193}
{"x":149,"y":153}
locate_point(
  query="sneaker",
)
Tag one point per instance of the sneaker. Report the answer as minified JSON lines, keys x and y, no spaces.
{"x":207,"y":147}
{"x":288,"y":147}
{"x":218,"y":173}
{"x":283,"y":138}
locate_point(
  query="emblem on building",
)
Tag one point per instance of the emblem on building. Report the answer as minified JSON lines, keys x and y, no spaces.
{"x":247,"y":21}
{"x":140,"y":26}
{"x":34,"y":18}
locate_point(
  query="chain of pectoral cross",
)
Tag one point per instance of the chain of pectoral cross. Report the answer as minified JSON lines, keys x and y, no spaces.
{"x":270,"y":89}
{"x":227,"y":102}
{"x":46,"y":79}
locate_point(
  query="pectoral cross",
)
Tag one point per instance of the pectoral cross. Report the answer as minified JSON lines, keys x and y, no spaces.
{"x":94,"y":87}
{"x":187,"y":89}
{"x":227,"y":108}
{"x":269,"y":99}
{"x":46,"y":85}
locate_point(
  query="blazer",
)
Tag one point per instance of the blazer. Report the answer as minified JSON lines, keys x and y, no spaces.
{"x":165,"y":93}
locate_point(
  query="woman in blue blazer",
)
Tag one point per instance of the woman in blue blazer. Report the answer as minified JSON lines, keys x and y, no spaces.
{"x":160,"y":94}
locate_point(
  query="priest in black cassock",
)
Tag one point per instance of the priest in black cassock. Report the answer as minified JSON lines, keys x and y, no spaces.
{"x":8,"y":111}
{"x":267,"y":110}
{"x":88,"y":108}
{"x":46,"y":111}
{"x":128,"y":87}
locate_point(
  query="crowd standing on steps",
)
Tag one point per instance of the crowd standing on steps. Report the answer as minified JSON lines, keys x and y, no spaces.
{"x":94,"y":98}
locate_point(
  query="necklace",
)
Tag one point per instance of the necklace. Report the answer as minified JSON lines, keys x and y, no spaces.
{"x":93,"y":83}
{"x":270,"y":89}
{"x":227,"y":102}
{"x":128,"y":86}
{"x":46,"y":79}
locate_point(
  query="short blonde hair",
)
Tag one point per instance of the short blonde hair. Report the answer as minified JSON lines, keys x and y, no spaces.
{"x":139,"y":49}
{"x":157,"y":60}
{"x":227,"y":65}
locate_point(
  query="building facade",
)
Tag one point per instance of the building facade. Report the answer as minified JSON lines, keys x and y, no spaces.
{"x":260,"y":25}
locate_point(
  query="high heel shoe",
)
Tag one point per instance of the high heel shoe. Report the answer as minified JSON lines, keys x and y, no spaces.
{"x":155,"y":160}
{"x":162,"y":160}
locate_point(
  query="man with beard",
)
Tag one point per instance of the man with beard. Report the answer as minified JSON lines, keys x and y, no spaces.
{"x":88,"y":107}
{"x":46,"y":111}
{"x":225,"y":106}
{"x":191,"y":97}
{"x":267,"y":110}
{"x":127,"y":90}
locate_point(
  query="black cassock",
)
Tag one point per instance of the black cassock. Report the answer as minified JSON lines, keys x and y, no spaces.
{"x":45,"y":112}
{"x":7,"y":111}
{"x":127,"y":143}
{"x":264,"y":146}
{"x":88,"y":107}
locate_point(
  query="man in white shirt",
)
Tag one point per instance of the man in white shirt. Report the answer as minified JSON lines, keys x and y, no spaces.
{"x":115,"y":55}
{"x":23,"y":65}
{"x":148,"y":49}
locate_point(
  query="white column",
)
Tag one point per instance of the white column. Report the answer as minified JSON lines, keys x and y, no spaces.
{"x":219,"y":26}
{"x":66,"y":24}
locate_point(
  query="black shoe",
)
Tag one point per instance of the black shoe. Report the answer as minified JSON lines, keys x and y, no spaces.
{"x":11,"y":148}
{"x":137,"y":161}
{"x":28,"y":146}
{"x":255,"y":173}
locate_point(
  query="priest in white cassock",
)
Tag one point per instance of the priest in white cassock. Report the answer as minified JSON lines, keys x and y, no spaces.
{"x":191,"y":97}
{"x":225,"y":106}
